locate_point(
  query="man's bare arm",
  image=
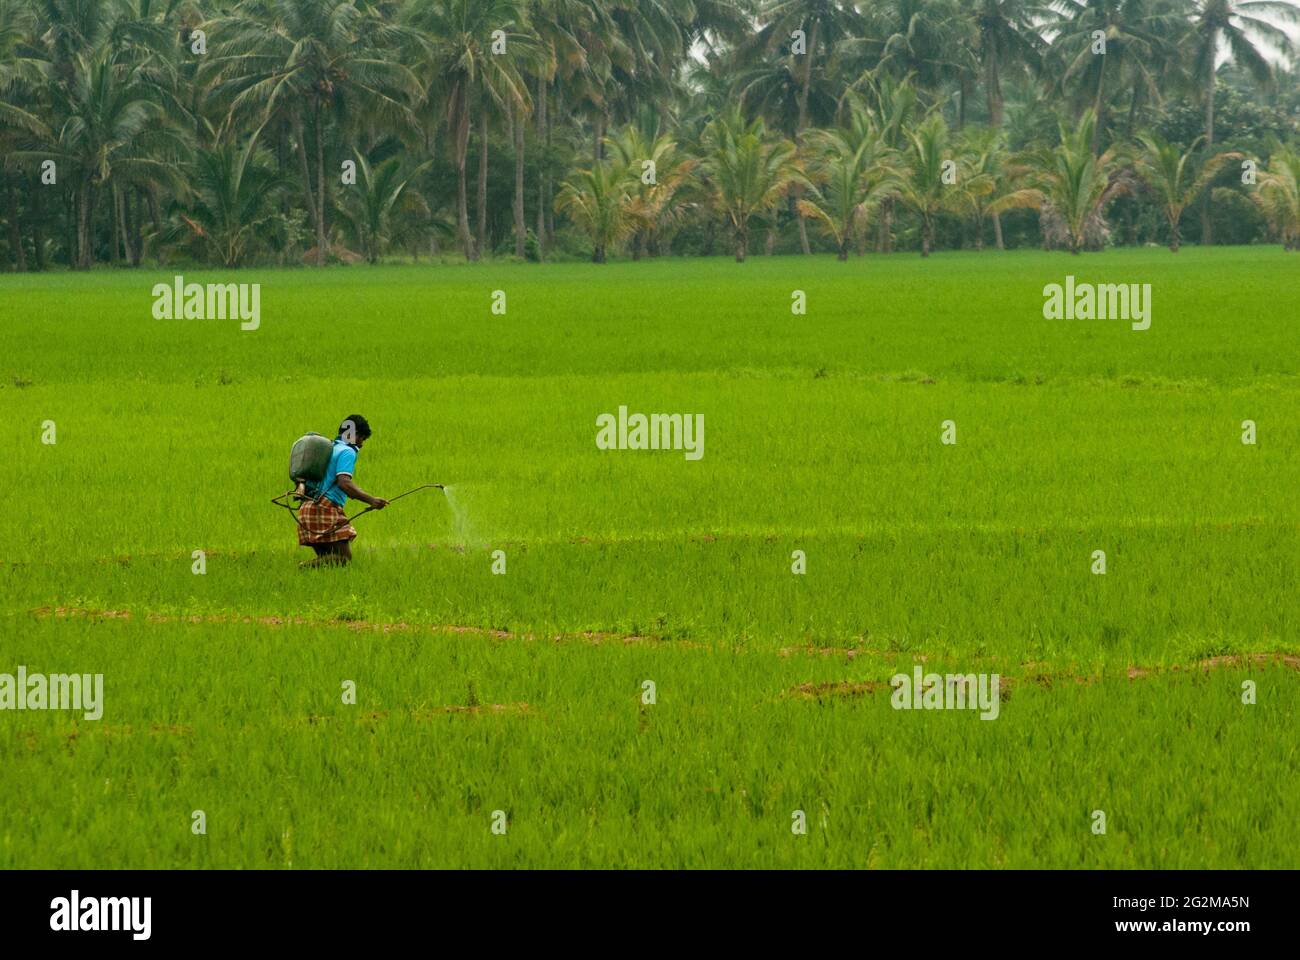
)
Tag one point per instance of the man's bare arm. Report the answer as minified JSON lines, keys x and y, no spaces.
{"x":352,"y":490}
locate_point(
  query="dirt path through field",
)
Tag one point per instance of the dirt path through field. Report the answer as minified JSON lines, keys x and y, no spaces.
{"x":858,"y":688}
{"x":1027,"y":672}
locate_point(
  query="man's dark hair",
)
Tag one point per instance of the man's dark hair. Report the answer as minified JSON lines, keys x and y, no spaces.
{"x":360,"y":427}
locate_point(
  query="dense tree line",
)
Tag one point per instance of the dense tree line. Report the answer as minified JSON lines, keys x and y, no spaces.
{"x":313,"y":131}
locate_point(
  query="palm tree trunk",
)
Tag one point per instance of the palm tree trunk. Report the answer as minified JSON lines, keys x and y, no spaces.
{"x":128,"y":248}
{"x":462,"y":212}
{"x":155,"y":215}
{"x":72,"y":223}
{"x":461,"y":143}
{"x":1099,"y":105}
{"x":430,"y":149}
{"x":520,"y":229}
{"x":113,"y":232}
{"x":925,"y":237}
{"x":303,"y":170}
{"x":803,"y":122}
{"x":1207,"y":229}
{"x":122,"y":225}
{"x":85,"y":254}
{"x":994,"y":85}
{"x":481,"y":244}
{"x":38,"y":234}
{"x":993,"y":82}
{"x":15,"y":234}
{"x":541,"y":169}
{"x":742,"y":245}
{"x":1132,"y":112}
{"x":137,"y":231}
{"x":803,"y":224}
{"x":549,"y":205}
{"x":321,"y":246}
{"x":1175,"y":233}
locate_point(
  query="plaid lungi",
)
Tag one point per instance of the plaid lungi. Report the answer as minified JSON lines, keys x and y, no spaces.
{"x":323,"y":521}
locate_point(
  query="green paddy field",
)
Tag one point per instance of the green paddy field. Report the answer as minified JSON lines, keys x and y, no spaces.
{"x":523,"y":692}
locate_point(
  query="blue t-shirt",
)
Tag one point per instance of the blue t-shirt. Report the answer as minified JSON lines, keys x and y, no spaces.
{"x":342,"y":460}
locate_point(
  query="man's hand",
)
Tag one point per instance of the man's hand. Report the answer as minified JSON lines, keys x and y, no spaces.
{"x":378,"y":503}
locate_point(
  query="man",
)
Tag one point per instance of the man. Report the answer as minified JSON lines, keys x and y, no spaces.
{"x":322,"y":524}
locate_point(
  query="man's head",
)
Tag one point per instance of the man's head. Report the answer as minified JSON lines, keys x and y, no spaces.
{"x":355,"y":429}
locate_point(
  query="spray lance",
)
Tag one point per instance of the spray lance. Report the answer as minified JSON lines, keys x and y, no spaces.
{"x":282,"y":501}
{"x":426,"y":486}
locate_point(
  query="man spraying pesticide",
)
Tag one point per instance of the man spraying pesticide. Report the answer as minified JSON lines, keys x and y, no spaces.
{"x":322,"y":472}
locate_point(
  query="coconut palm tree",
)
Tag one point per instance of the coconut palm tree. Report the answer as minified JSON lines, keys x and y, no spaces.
{"x":1278,"y":195}
{"x":926,"y":41}
{"x":598,"y":200}
{"x":1241,"y":25}
{"x":655,"y":191}
{"x":651,"y":39}
{"x":1171,"y":175}
{"x":1069,"y":186}
{"x":378,"y":209}
{"x":851,"y":176}
{"x":748,"y":173}
{"x":773,"y":87}
{"x":1103,"y":46}
{"x":1008,"y":37}
{"x":927,"y":188}
{"x":891,"y":107}
{"x":230,"y":201}
{"x":984,"y":159}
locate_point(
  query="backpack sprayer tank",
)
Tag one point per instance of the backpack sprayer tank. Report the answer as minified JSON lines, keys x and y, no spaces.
{"x":309,"y":460}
